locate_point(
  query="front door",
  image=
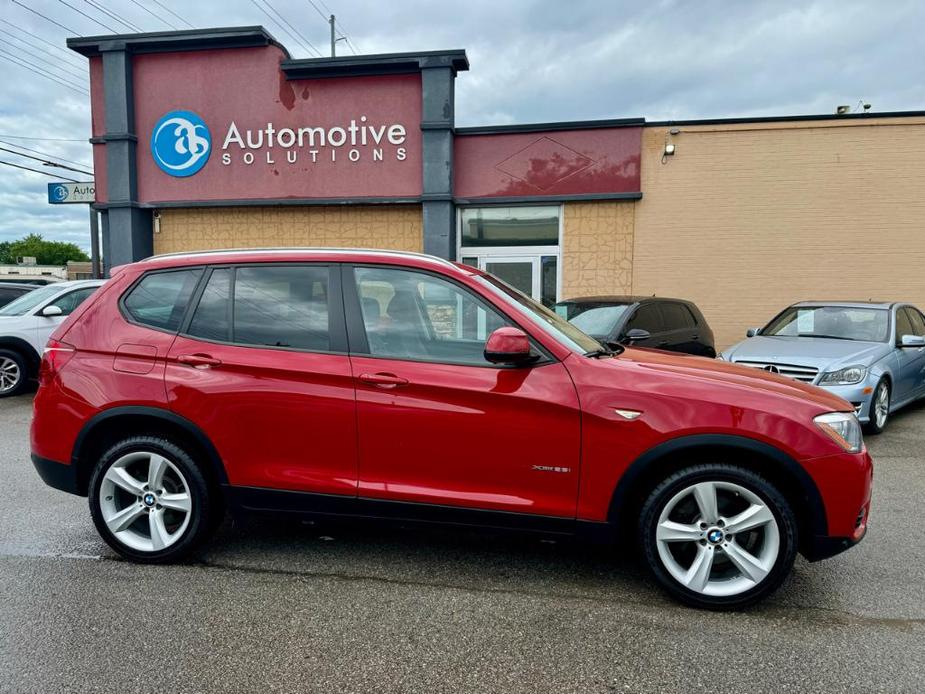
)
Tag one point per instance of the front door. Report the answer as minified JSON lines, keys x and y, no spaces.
{"x":439,"y":424}
{"x":261,"y":367}
{"x":912,"y":359}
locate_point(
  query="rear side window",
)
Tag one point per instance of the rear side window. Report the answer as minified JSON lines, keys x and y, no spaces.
{"x":646,"y":317}
{"x":677,"y":316}
{"x":211,"y":321}
{"x":160,"y":298}
{"x":282,"y":306}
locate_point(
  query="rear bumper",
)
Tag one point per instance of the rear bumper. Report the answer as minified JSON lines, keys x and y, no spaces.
{"x":58,"y":475}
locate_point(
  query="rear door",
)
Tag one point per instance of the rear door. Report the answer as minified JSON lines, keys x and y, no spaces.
{"x":680,"y":327}
{"x":261,"y":366}
{"x":439,"y":424}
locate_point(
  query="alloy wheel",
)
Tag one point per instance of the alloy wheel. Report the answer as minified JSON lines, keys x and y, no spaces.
{"x":145,"y":501}
{"x":10,"y":374}
{"x":717,"y":538}
{"x":882,"y":405}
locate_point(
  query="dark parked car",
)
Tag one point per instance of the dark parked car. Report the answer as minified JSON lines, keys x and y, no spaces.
{"x":10,"y":291}
{"x":675,"y":325}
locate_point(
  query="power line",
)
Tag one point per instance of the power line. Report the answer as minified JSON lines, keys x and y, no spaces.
{"x":270,"y":17}
{"x":164,"y":7}
{"x":65,"y":51}
{"x":156,"y":16}
{"x":337,"y":23}
{"x":71,"y":70}
{"x":42,"y":139}
{"x":45,"y":161}
{"x":44,"y":173}
{"x":305,"y":40}
{"x":43,"y":73}
{"x":46,"y":154}
{"x":112,"y":15}
{"x":92,"y":19}
{"x":47,"y":19}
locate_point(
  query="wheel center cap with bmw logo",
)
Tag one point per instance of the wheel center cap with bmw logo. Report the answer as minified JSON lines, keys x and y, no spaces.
{"x":715,"y":536}
{"x":180,"y":143}
{"x":149,"y":499}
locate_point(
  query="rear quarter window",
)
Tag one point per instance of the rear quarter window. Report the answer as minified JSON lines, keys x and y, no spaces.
{"x":159,"y":299}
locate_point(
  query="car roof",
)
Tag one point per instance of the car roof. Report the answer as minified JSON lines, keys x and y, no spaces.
{"x":619,"y":299}
{"x":848,"y":304}
{"x":72,"y":284}
{"x":262,"y":255}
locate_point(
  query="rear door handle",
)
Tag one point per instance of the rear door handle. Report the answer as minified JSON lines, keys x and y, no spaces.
{"x":383,"y":380}
{"x":200,"y":361}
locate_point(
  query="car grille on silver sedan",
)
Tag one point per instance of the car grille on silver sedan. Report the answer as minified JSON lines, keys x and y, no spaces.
{"x":806,"y":374}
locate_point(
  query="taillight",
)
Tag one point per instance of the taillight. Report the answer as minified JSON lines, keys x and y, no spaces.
{"x":55,"y":356}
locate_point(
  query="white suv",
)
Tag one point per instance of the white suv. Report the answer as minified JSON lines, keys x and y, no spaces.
{"x":27,"y":322}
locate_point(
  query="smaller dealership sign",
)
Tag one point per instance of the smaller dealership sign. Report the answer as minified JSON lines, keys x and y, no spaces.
{"x":64,"y":193}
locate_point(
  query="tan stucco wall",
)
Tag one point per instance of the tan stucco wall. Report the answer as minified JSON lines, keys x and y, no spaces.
{"x":396,"y":227}
{"x":597,"y":248}
{"x":746,"y":219}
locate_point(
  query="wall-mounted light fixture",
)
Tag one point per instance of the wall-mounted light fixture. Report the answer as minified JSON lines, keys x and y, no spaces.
{"x":669,"y":145}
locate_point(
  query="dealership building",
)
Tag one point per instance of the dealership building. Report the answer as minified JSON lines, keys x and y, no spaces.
{"x":218,"y":139}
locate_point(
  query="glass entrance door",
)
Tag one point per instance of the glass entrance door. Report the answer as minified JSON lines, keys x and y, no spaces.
{"x":520,"y":272}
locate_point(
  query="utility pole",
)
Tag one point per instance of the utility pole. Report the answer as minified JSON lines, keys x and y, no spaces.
{"x":333,"y":38}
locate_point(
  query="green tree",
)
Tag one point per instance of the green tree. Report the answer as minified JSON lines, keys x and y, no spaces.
{"x":44,"y":252}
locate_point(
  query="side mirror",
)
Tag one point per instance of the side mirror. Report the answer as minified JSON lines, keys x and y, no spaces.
{"x":751,"y":332}
{"x":636,"y":335}
{"x":508,"y":346}
{"x":51,"y":311}
{"x":912,"y":341}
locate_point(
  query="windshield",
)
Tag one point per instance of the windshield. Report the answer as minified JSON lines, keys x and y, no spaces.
{"x":593,"y":319}
{"x":557,"y":327}
{"x":29,"y":300}
{"x":837,"y":322}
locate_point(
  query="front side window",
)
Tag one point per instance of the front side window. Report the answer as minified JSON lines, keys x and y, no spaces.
{"x":160,"y":299}
{"x":416,"y":316}
{"x":912,"y":322}
{"x":69,"y":302}
{"x":282,"y":306}
{"x":647,"y":317}
{"x":834,"y":322}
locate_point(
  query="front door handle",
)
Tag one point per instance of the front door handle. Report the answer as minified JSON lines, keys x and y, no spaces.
{"x":383,"y":380}
{"x":199,"y":361}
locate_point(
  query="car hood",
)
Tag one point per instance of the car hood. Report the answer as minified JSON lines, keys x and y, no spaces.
{"x":820,"y":352}
{"x":713,"y":372}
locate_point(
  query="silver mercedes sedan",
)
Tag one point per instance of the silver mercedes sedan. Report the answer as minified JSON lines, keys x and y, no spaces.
{"x":871,"y":354}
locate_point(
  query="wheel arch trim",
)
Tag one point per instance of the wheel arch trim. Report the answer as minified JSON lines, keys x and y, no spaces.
{"x":22,"y":346}
{"x":814,"y":513}
{"x":214,"y":459}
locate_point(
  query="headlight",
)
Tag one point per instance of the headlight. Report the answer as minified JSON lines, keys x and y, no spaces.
{"x":844,"y":429}
{"x":844,"y":377}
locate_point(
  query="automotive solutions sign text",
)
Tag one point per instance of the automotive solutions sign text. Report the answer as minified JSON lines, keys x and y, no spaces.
{"x":356,"y":141}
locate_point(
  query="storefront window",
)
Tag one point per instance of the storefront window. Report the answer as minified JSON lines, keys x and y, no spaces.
{"x":510,"y":226}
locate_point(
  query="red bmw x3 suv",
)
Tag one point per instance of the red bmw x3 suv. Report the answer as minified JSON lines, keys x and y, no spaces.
{"x":402,"y":386}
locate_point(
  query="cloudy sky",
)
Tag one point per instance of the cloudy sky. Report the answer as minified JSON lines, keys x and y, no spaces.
{"x":531,"y":61}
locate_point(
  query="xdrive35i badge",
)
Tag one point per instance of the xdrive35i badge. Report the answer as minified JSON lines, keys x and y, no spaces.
{"x":551,"y":468}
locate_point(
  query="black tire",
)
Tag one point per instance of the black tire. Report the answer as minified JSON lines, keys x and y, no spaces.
{"x":204,"y":515}
{"x":25,"y":372}
{"x":872,"y":427}
{"x":660,"y":497}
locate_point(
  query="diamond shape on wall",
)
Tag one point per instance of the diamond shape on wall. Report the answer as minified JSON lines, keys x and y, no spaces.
{"x":544,"y":163}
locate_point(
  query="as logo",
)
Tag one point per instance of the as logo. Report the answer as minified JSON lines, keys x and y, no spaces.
{"x":181,"y":143}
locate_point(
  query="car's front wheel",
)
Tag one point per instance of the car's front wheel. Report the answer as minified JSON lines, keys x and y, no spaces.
{"x":879,"y":408}
{"x":150,"y":501}
{"x":718,"y":536}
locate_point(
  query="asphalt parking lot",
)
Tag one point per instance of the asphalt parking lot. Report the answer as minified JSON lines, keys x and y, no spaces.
{"x":292,"y":607}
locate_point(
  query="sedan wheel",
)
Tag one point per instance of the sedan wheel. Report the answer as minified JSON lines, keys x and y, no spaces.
{"x":718,"y":536}
{"x":879,"y":408}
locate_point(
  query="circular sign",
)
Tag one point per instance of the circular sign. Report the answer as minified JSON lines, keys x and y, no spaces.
{"x":180,"y":143}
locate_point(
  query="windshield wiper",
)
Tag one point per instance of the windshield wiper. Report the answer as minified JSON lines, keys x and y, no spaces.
{"x":827,"y":337}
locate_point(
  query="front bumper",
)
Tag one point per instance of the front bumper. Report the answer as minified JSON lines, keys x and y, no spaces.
{"x":58,"y":475}
{"x":860,"y":395}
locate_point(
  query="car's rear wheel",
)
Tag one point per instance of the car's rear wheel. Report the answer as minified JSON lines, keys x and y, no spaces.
{"x":14,"y":373}
{"x":718,"y":536}
{"x":879,"y":408}
{"x":150,"y":501}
